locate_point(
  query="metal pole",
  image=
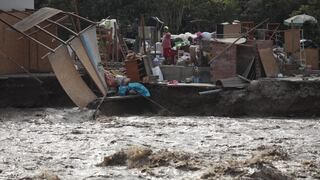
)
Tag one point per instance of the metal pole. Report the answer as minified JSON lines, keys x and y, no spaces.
{"x":82,"y":18}
{"x":116,"y":37}
{"x":274,"y":32}
{"x":143,"y":34}
{"x":31,"y":38}
{"x":54,"y":22}
{"x":85,"y":29}
{"x":62,"y":26}
{"x":61,"y":19}
{"x":76,"y":7}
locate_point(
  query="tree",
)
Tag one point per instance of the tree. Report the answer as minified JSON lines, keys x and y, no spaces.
{"x":212,"y":12}
{"x":276,"y":10}
{"x":311,"y":8}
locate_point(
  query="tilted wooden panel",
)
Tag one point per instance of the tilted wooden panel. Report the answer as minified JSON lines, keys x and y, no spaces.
{"x":77,"y":45}
{"x":90,"y":43}
{"x":70,"y":78}
{"x":269,"y":62}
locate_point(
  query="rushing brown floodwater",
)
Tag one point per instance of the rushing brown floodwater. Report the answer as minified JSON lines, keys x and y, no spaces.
{"x":66,"y":143}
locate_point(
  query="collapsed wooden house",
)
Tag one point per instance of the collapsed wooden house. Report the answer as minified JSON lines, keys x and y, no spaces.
{"x":44,"y":41}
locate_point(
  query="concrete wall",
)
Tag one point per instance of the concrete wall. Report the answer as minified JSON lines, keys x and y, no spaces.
{"x":180,"y":73}
{"x":16,"y":4}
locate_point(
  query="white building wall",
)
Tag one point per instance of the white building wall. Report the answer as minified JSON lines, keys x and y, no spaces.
{"x":16,"y":4}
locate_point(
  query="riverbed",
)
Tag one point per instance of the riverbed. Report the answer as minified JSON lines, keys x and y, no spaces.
{"x":54,"y":144}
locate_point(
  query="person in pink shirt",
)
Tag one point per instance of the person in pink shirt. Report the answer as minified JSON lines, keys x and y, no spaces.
{"x":166,"y":45}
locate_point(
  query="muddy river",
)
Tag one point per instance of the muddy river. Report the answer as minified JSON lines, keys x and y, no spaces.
{"x":67,"y":144}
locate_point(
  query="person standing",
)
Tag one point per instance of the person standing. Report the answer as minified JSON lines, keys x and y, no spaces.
{"x":166,"y":45}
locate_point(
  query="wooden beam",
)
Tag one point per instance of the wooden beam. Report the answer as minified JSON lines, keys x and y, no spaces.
{"x":46,"y":26}
{"x":82,"y":18}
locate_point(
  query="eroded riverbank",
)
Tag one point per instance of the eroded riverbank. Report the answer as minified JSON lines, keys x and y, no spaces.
{"x":68,"y":144}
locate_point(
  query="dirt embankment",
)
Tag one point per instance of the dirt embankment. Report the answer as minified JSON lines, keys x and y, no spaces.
{"x":263,"y":98}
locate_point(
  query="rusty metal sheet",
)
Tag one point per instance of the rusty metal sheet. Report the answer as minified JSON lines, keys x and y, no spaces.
{"x":36,"y":18}
{"x":269,"y":62}
{"x":77,"y":46}
{"x":70,"y":78}
{"x":90,"y":43}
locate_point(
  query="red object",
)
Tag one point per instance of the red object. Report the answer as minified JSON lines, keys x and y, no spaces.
{"x":173,"y":82}
{"x":166,"y":40}
{"x":167,"y":52}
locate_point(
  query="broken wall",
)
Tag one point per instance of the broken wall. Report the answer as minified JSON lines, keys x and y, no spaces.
{"x":224,"y":66}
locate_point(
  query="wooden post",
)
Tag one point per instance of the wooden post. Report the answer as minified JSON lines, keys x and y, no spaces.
{"x":143,"y":35}
{"x":76,"y":8}
{"x":116,"y":41}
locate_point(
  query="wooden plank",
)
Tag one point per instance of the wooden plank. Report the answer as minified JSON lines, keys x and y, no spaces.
{"x":13,"y":48}
{"x":77,"y":46}
{"x":70,"y":78}
{"x":205,"y":85}
{"x":234,"y":82}
{"x":312,"y":58}
{"x":292,"y":40}
{"x":210,"y":92}
{"x":36,"y":18}
{"x":113,"y":98}
{"x":269,"y":63}
{"x":90,"y":43}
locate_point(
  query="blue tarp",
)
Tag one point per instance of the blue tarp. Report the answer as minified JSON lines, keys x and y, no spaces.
{"x":137,"y":87}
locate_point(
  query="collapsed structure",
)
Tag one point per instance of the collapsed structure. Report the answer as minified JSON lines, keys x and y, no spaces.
{"x":205,"y":65}
{"x":54,"y":54}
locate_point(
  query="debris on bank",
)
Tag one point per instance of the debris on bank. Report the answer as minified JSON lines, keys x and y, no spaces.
{"x":142,"y":157}
{"x":259,"y":166}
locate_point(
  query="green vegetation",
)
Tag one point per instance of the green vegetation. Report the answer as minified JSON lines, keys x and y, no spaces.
{"x":193,"y":15}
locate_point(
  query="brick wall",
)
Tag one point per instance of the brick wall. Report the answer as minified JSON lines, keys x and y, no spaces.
{"x":226,"y":65}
